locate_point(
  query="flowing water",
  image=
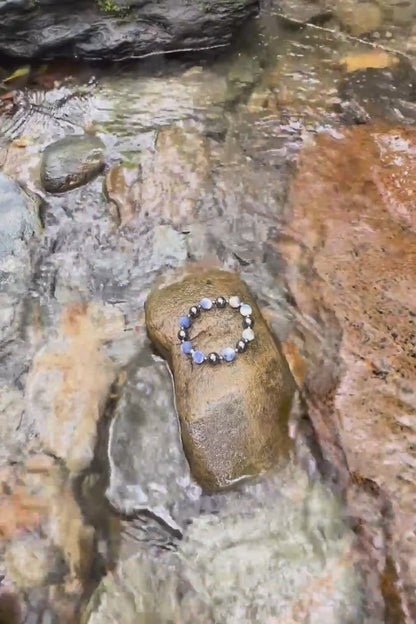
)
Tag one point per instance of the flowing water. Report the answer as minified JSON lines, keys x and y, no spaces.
{"x":200,"y":157}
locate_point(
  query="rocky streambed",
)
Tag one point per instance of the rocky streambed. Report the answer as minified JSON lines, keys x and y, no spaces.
{"x":136,"y":486}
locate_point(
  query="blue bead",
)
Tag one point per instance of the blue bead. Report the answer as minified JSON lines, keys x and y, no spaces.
{"x":198,"y":357}
{"x":186,"y":347}
{"x":206,"y":304}
{"x":228,"y":354}
{"x":185,"y":322}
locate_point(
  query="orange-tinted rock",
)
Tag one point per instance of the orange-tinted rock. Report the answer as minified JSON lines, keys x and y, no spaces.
{"x":176,"y":176}
{"x":234,"y":416}
{"x":69,"y":382}
{"x":123,"y":189}
{"x":45,"y":542}
{"x":350,"y":248}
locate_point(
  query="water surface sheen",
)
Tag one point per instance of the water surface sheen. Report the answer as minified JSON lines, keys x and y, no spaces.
{"x":200,"y":159}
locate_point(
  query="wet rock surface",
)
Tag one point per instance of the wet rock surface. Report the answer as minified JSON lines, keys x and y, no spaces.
{"x":112,"y":29}
{"x":176,"y":178}
{"x":148,"y":472}
{"x":352,"y":16}
{"x":368,"y":93}
{"x":71,"y":162}
{"x":234,"y":418}
{"x":68,"y":386}
{"x":200,"y":165}
{"x":351,"y":233}
{"x":244,"y":568}
{"x":19,"y":219}
{"x":46,"y":547}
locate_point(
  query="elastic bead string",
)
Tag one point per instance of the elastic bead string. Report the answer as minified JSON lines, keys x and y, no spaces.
{"x":228,"y":354}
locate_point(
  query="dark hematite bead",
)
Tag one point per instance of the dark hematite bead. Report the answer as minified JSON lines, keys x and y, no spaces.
{"x":214,"y":358}
{"x":248,"y":321}
{"x":220,"y":302}
{"x":241,"y":346}
{"x":183,"y":334}
{"x":194,"y":311}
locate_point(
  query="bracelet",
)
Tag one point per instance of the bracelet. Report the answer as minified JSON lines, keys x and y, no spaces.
{"x":229,"y":353}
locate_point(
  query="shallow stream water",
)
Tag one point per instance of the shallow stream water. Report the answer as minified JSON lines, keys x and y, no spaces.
{"x":200,"y":156}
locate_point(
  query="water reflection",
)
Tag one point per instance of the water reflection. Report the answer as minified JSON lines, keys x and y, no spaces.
{"x":221,"y":138}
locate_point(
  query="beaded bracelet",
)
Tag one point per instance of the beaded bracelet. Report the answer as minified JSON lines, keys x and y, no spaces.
{"x":229,"y":353}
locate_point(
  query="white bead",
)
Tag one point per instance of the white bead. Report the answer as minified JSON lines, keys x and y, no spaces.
{"x":245,"y":309}
{"x":248,"y":334}
{"x":234,"y":301}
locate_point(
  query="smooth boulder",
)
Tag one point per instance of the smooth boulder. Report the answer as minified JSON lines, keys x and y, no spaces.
{"x":117,"y":29}
{"x":233,"y":416}
{"x":71,"y":162}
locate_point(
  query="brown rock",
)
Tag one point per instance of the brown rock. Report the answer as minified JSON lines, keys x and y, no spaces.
{"x":234,"y":417}
{"x":123,"y":189}
{"x":175,"y":178}
{"x":358,"y":17}
{"x":10,"y":609}
{"x":69,"y":382}
{"x":45,"y":542}
{"x":350,"y":247}
{"x":28,"y":562}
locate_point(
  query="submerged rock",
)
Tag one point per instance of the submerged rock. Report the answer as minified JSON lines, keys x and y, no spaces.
{"x":115,"y":29}
{"x":380,"y":93}
{"x":147,"y":468}
{"x":276,"y":551}
{"x":69,"y":383}
{"x":176,"y":176}
{"x":234,"y":417}
{"x":121,"y":188}
{"x":359,"y":18}
{"x":350,"y":248}
{"x":71,"y":162}
{"x":46,"y":546}
{"x":18,"y":216}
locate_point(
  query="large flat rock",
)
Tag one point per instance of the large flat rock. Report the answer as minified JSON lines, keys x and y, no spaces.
{"x":116,"y":29}
{"x":350,"y":248}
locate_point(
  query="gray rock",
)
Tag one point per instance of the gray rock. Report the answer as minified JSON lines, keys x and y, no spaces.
{"x":114,"y":29}
{"x":18,"y":216}
{"x":276,"y":551}
{"x":303,"y":11}
{"x":71,"y":162}
{"x":148,"y":471}
{"x":380,"y":94}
